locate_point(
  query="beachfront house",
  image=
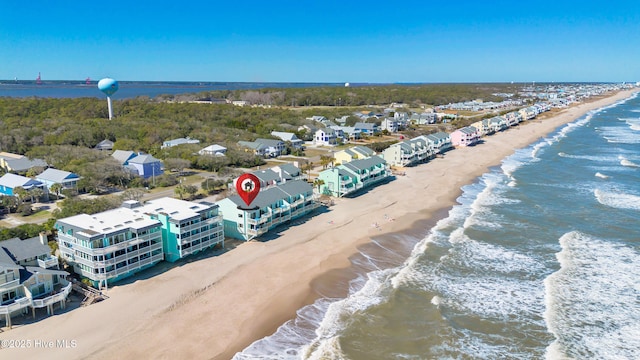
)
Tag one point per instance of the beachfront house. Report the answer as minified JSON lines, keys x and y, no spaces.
{"x":30,"y":277}
{"x":9,"y":182}
{"x":358,"y":174}
{"x":498,"y":123}
{"x":440,"y":142}
{"x":274,"y":206}
{"x":408,"y":152}
{"x":466,"y":136}
{"x":179,"y":141}
{"x":213,"y":150}
{"x":114,"y":244}
{"x":51,"y":176}
{"x":483,"y":127}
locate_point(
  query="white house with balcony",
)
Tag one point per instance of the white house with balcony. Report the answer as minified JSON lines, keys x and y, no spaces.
{"x":408,"y":152}
{"x":325,"y":136}
{"x":30,"y":278}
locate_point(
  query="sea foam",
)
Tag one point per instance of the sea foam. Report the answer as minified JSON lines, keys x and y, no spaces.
{"x":591,"y":301}
{"x":617,"y":200}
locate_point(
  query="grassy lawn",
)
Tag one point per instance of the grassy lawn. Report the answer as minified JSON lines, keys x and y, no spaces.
{"x":311,"y":152}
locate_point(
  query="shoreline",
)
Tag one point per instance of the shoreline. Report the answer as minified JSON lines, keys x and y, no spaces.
{"x":218,"y":305}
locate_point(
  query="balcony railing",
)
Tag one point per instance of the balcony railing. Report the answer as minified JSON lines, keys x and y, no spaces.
{"x":49,"y":262}
{"x":10,"y":284}
{"x":18,"y":304}
{"x":52,"y":299}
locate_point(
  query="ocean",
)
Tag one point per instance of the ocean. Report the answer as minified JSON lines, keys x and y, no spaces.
{"x":539,"y":260}
{"x":132,"y":89}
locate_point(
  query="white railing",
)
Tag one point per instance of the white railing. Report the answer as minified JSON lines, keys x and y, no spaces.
{"x":50,"y":261}
{"x":19,"y":304}
{"x":60,"y":296}
{"x":10,"y":284}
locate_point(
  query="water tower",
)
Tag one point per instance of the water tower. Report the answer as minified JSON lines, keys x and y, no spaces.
{"x":109,"y":87}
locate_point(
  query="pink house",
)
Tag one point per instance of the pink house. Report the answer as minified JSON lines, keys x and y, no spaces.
{"x":465,"y":136}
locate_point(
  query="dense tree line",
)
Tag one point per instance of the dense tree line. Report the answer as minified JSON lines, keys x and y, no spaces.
{"x":65,"y":131}
{"x":380,"y":95}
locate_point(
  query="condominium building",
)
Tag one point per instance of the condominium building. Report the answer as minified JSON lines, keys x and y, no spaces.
{"x":109,"y":246}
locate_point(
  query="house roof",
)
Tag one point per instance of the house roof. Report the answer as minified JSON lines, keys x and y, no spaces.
{"x":363,"y":150}
{"x":56,"y":176}
{"x":20,"y":250}
{"x":6,"y":262}
{"x":13,"y":181}
{"x":285,"y":136}
{"x":24,"y":163}
{"x":144,"y":159}
{"x":123,"y":155}
{"x":109,"y":222}
{"x":105,"y":145}
{"x":274,"y":194}
{"x":267,"y":175}
{"x":270,"y":142}
{"x":367,"y":126}
{"x":252,"y":145}
{"x":176,"y":209}
{"x":366,"y":163}
{"x":289,"y":169}
{"x":29,"y":271}
{"x":264,"y":199}
{"x":214,"y":148}
{"x":438,"y":136}
{"x":180,"y":141}
{"x":296,"y":187}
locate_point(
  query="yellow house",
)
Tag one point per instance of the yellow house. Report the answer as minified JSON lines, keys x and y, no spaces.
{"x":354,"y":153}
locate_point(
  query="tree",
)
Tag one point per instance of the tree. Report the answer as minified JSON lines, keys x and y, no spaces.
{"x":20,"y":193}
{"x":36,"y":193}
{"x":191,"y":190}
{"x":132,"y":194}
{"x":325,"y":160}
{"x":180,"y":191}
{"x":307,"y":167}
{"x":56,"y":188}
{"x":318,"y":183}
{"x":175,"y":164}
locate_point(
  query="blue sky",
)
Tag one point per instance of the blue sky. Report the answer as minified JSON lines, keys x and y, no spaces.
{"x":321,"y":41}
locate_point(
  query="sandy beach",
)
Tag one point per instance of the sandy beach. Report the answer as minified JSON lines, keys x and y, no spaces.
{"x":211,"y":308}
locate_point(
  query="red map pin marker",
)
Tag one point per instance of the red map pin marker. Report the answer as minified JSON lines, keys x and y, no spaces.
{"x":248,"y":186}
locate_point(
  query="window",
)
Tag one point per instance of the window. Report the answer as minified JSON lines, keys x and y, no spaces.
{"x":8,"y":296}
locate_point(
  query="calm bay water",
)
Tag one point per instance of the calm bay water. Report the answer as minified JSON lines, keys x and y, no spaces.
{"x":132,"y":89}
{"x":539,"y":260}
